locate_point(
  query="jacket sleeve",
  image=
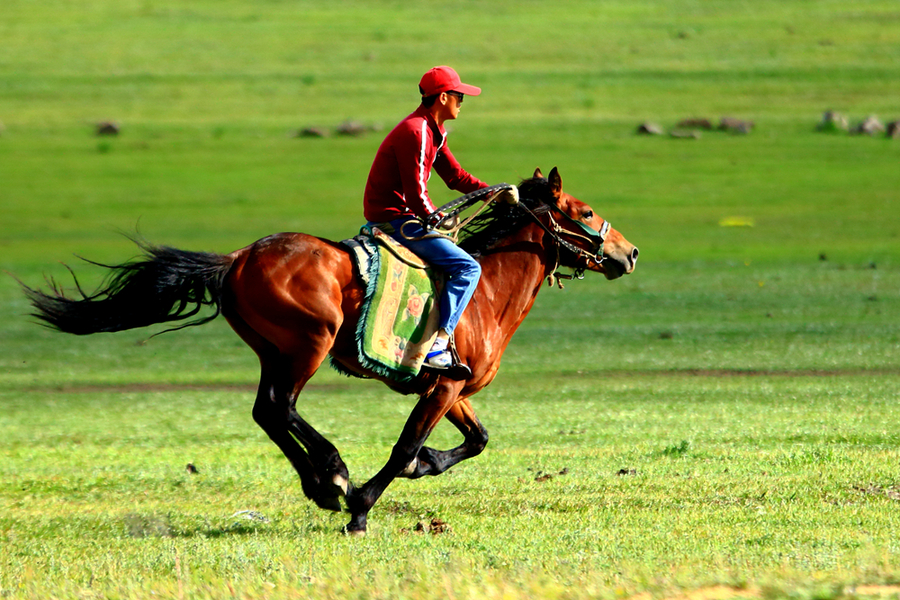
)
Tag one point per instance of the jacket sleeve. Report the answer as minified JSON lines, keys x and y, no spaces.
{"x":411,"y":150}
{"x":454,"y":175}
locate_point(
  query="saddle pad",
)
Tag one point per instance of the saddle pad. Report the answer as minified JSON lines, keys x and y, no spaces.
{"x":399,"y":317}
{"x":402,"y":252}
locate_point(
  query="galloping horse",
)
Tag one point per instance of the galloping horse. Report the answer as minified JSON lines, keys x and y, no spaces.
{"x":294,"y":299}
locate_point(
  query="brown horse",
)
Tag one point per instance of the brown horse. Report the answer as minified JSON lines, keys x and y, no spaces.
{"x":294,"y":299}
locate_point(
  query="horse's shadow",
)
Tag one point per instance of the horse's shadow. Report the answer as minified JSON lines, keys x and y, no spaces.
{"x":138,"y":525}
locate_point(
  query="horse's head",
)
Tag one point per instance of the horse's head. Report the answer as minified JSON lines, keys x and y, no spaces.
{"x":584,"y":229}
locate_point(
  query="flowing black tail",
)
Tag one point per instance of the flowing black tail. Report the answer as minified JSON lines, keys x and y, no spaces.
{"x":163,"y":285}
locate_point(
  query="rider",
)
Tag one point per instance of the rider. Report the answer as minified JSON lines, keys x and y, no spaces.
{"x":396,"y":192}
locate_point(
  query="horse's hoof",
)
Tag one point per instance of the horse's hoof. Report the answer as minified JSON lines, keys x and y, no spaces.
{"x":353,"y":532}
{"x":330,"y":503}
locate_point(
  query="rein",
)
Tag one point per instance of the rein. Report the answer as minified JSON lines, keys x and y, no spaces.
{"x":556,"y":231}
{"x":452,"y":209}
{"x":592,"y":237}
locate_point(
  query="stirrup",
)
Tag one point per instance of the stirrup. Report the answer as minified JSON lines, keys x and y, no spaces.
{"x":455,"y":369}
{"x":439,"y":359}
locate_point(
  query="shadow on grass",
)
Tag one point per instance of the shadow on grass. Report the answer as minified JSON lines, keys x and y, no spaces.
{"x":160,"y":526}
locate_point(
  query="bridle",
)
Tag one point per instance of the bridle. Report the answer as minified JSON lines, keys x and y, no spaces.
{"x":593,"y":238}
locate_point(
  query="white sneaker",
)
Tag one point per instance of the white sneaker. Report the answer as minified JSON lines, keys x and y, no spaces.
{"x":439,"y":356}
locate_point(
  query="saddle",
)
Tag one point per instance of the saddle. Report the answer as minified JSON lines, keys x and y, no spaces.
{"x":399,"y":318}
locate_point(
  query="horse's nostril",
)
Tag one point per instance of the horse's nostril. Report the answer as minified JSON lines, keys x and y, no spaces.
{"x":634,"y":255}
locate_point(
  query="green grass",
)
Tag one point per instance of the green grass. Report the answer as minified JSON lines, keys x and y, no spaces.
{"x":724,"y":416}
{"x":783,"y":482}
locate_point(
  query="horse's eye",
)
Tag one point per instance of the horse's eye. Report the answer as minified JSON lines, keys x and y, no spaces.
{"x":588,"y":215}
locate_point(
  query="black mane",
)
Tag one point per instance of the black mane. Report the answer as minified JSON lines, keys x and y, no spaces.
{"x":501,"y":219}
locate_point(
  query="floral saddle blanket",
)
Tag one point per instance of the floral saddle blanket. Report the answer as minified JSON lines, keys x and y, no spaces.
{"x":399,"y":318}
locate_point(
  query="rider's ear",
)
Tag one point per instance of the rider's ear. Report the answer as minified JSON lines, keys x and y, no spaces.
{"x":555,"y":183}
{"x":537,"y":173}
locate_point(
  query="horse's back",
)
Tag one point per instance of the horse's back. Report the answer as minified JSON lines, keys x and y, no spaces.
{"x":297,"y":256}
{"x":289,"y":286}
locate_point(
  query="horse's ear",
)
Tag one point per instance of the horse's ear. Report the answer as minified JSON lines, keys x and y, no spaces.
{"x":537,"y":173}
{"x":555,"y":183}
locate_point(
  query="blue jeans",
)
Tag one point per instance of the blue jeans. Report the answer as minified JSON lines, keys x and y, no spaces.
{"x":461,"y":271}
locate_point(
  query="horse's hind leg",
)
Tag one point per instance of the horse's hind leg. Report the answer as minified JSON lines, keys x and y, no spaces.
{"x":285,"y":300}
{"x":330,"y":468}
{"x":434,"y":462}
{"x":333,"y":477}
{"x":272,"y":411}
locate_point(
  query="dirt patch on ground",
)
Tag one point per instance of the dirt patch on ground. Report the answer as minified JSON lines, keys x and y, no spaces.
{"x":434,"y":526}
{"x":146,"y":388}
{"x":875,"y":590}
{"x":892,"y":492}
{"x":716,"y":592}
{"x":719,"y":592}
{"x":724,"y":592}
{"x":723,"y":373}
{"x":250,"y":388}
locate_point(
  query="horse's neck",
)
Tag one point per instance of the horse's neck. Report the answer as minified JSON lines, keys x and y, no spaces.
{"x":516,"y":269}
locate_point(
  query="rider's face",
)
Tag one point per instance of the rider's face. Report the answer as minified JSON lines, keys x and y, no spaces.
{"x":450,"y":103}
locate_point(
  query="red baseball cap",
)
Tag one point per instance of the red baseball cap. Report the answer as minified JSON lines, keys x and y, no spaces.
{"x":445,"y":79}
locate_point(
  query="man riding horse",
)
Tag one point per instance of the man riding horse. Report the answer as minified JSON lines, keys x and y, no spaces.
{"x":296,"y":299}
{"x":396,"y":197}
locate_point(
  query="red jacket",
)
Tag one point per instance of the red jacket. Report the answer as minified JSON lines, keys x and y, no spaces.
{"x":397,"y":184}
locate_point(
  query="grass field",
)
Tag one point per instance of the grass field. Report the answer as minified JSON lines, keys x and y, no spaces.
{"x":722,"y":423}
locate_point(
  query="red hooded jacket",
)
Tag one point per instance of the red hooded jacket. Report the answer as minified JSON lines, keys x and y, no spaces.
{"x":397,"y":184}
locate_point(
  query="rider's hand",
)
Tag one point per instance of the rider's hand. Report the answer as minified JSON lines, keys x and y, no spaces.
{"x":510,"y":196}
{"x":434,"y":219}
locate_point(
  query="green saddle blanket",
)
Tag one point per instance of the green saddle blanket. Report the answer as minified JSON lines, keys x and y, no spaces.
{"x":399,"y":318}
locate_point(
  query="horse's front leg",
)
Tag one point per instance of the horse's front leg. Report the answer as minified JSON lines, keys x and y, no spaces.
{"x":434,"y":462}
{"x":430,"y":409}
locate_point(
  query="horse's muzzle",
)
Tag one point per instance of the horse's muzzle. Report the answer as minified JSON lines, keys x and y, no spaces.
{"x":617,"y":264}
